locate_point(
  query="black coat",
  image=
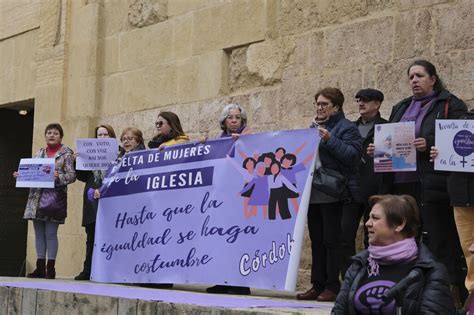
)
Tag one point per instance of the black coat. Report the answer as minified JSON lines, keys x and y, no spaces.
{"x":434,"y":183}
{"x":343,"y":149}
{"x":369,"y":181}
{"x":430,"y":295}
{"x":89,"y":208}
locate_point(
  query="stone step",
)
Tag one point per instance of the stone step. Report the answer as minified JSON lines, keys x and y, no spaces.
{"x":65,"y":296}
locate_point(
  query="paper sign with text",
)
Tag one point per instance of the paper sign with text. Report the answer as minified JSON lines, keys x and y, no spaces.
{"x":221,"y":212}
{"x":455,"y":142}
{"x":96,"y":154}
{"x":394,"y":149}
{"x":36,"y":173}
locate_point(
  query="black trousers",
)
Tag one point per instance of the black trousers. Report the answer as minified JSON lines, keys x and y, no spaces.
{"x":351,"y":215}
{"x":90,"y":232}
{"x":278,"y":196}
{"x":324,"y":223}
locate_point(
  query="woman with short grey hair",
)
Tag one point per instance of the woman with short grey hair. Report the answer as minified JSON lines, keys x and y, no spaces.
{"x":233,"y":121}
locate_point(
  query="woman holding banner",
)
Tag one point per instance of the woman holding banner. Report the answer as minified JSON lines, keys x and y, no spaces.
{"x":47,"y":207}
{"x":169,"y":131}
{"x":340,"y":148}
{"x":396,"y":272}
{"x":92,"y":180}
{"x":430,"y":101}
{"x":233,"y":123}
{"x":131,"y":139}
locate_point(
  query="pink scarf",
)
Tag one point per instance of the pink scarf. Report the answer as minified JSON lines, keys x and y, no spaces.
{"x":399,"y":252}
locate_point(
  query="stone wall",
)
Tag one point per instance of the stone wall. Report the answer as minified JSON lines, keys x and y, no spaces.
{"x":123,"y":61}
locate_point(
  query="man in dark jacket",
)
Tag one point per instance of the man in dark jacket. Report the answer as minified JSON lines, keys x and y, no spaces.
{"x":363,"y":182}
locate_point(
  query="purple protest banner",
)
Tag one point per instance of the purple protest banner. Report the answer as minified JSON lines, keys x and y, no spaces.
{"x":223,"y":212}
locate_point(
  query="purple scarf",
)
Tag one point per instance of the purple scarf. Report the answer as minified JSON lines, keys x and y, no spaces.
{"x":399,"y":252}
{"x":239,"y":131}
{"x":417,"y":110}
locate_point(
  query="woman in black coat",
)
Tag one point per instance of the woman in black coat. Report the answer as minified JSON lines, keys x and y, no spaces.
{"x":340,"y":149}
{"x":394,"y":257}
{"x":430,"y":101}
{"x":93,"y":179}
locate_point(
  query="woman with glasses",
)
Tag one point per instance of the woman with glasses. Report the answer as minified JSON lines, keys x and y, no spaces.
{"x":169,"y":131}
{"x":340,"y":149}
{"x":92,"y":180}
{"x":233,"y":123}
{"x":131,"y":139}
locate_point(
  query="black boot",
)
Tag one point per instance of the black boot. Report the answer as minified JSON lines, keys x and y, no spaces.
{"x":84,"y":275}
{"x":40,"y":271}
{"x":50,"y":270}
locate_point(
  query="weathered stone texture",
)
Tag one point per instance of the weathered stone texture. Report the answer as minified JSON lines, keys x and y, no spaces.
{"x":177,"y":7}
{"x":393,"y":81}
{"x":49,"y":65}
{"x":28,"y":305}
{"x":147,"y":12}
{"x":413,"y":4}
{"x":50,"y":23}
{"x":266,"y":59}
{"x":146,"y":46}
{"x":456,"y":69}
{"x":115,"y":17}
{"x":239,"y":76}
{"x":139,"y":89}
{"x":4,"y":298}
{"x":147,"y":307}
{"x":127,"y":307}
{"x":202,"y":76}
{"x":18,"y":16}
{"x":296,"y":101}
{"x":110,"y":57}
{"x":14,"y":301}
{"x":414,"y":31}
{"x":17,"y":61}
{"x":182,"y":36}
{"x":454,"y":27}
{"x":229,"y":24}
{"x":380,"y":5}
{"x":350,"y":45}
{"x":297,"y":16}
{"x":307,"y":58}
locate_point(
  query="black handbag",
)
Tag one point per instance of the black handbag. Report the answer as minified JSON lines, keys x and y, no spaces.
{"x":330,"y":182}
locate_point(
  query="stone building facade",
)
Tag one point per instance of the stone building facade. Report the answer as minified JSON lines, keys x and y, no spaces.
{"x":121,"y":62}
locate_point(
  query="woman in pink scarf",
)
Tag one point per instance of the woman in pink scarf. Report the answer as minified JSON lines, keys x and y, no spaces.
{"x":394,"y":258}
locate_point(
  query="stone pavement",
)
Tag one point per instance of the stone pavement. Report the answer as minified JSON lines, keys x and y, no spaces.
{"x":65,"y":296}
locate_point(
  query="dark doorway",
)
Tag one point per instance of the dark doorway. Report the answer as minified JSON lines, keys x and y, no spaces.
{"x":16,"y":132}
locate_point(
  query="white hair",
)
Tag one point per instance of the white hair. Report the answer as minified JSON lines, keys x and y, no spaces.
{"x":226,"y":112}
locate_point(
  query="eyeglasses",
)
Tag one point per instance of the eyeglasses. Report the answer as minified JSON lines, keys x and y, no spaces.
{"x":230,"y":117}
{"x":321,"y":104}
{"x":129,"y":139}
{"x":159,"y":123}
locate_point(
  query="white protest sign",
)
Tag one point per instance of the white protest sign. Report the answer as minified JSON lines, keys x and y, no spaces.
{"x":455,"y":142}
{"x":96,"y":154}
{"x":36,"y":173}
{"x":394,"y":149}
